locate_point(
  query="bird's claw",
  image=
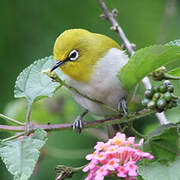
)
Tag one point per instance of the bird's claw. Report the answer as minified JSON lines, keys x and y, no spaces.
{"x":122,"y":104}
{"x":78,"y":124}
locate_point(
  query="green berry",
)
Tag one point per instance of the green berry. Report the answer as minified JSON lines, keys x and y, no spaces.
{"x":163,"y":88}
{"x":156,"y":95}
{"x":167,"y":96}
{"x":148,"y":93}
{"x":145,"y":101}
{"x":151,"y":105}
{"x":155,"y":89}
{"x":170,"y":88}
{"x":161,"y":103}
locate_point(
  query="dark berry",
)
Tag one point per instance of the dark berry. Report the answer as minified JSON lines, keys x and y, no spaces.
{"x":148,"y":93}
{"x":170,"y":88}
{"x":161,"y":103}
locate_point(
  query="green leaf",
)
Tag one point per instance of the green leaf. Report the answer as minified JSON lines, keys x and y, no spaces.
{"x":32,"y":83}
{"x":139,"y":178}
{"x":164,"y":142}
{"x":145,"y":61}
{"x":158,"y":171}
{"x":20,"y":155}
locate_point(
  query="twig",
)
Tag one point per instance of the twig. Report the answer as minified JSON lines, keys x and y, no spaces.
{"x":27,"y":118}
{"x":52,"y":127}
{"x":135,"y":132}
{"x":162,"y":118}
{"x":111,"y":18}
{"x":116,"y":27}
{"x":13,"y":137}
{"x":11,"y":119}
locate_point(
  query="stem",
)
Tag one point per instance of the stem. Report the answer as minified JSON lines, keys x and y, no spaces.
{"x":11,"y":119}
{"x":162,"y":118}
{"x":108,"y":121}
{"x":137,"y":133}
{"x":109,"y":16}
{"x":115,"y":24}
{"x":171,"y":77}
{"x":78,"y":169}
{"x":27,"y":118}
{"x":13,"y":137}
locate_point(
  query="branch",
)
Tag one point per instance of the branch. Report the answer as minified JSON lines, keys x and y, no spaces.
{"x":110,"y":17}
{"x":115,"y":26}
{"x":10,"y":119}
{"x":108,"y":121}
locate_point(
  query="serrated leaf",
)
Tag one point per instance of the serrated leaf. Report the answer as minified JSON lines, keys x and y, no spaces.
{"x":145,"y":61}
{"x":40,"y":134}
{"x":20,"y":155}
{"x":163,"y":142}
{"x":32,"y":83}
{"x":158,"y":171}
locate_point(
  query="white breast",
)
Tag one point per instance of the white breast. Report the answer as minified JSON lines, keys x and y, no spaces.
{"x":104,"y":85}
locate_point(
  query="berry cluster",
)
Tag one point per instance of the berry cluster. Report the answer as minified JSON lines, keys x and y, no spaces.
{"x":160,"y":98}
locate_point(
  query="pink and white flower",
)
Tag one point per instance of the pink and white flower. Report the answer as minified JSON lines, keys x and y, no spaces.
{"x":117,"y":156}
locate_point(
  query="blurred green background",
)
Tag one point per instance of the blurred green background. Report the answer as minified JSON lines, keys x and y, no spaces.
{"x":28,"y":31}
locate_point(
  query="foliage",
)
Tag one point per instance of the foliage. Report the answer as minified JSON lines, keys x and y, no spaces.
{"x":157,"y":171}
{"x":145,"y":61}
{"x":21,"y":155}
{"x":163,"y":142}
{"x":32,"y":84}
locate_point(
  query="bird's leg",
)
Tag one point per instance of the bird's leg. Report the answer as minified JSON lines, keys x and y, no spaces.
{"x":78,"y":123}
{"x":122,"y":103}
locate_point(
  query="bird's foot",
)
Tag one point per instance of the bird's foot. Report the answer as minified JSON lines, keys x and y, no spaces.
{"x":122,"y":104}
{"x":78,"y":123}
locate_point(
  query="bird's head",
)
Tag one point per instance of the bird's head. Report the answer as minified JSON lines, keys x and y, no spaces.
{"x":77,"y":51}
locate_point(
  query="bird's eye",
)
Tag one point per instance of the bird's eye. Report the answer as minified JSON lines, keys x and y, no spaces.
{"x":73,"y":55}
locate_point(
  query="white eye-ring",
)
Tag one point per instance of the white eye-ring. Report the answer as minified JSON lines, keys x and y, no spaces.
{"x":73,"y":55}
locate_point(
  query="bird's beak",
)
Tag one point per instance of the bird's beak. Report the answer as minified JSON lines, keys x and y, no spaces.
{"x":57,"y":64}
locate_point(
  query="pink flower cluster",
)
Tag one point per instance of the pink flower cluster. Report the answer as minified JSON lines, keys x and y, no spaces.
{"x":118,"y":157}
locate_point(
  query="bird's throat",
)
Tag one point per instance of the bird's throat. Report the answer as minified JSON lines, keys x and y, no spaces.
{"x":81,"y":74}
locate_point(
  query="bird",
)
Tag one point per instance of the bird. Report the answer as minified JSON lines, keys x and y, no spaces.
{"x":90,"y":62}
